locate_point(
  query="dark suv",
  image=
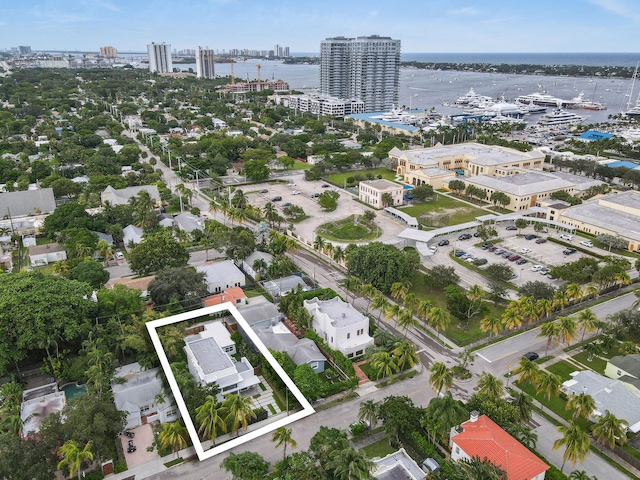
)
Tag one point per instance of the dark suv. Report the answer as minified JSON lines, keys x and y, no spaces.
{"x":276,"y":199}
{"x":464,"y":236}
{"x":531,"y":356}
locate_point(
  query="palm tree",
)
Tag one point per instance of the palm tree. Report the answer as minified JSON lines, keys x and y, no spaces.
{"x":350,"y":464}
{"x":566,"y":329}
{"x":237,"y":411}
{"x":580,"y":475}
{"x":282,"y":436}
{"x":529,"y":309}
{"x":368,"y":291}
{"x":548,"y":383}
{"x":551,"y":331}
{"x":490,"y":385}
{"x":628,"y":347}
{"x":380,"y":303}
{"x":260,"y":266}
{"x":524,"y":404}
{"x":609,"y":430}
{"x":405,"y":353}
{"x":492,"y":324}
{"x":104,"y":251}
{"x":319,"y":242}
{"x":593,"y":349}
{"x":574,"y":292}
{"x":384,"y":363}
{"x":592,"y":290}
{"x":399,"y":290}
{"x":582,"y":405}
{"x":546,"y":306}
{"x":411,"y":301}
{"x":560,"y":300}
{"x":338,"y":254}
{"x":423,"y":309}
{"x":73,"y":456}
{"x":512,"y":317}
{"x":209,"y":419}
{"x":466,"y":357}
{"x":442,"y":414}
{"x":588,"y":321}
{"x":173,"y":435}
{"x":622,"y":278}
{"x":439,"y":319}
{"x":406,"y":320}
{"x":369,"y":413}
{"x":393,"y":310}
{"x":528,"y":371}
{"x":608,"y":342}
{"x":575,"y":442}
{"x":441,"y":377}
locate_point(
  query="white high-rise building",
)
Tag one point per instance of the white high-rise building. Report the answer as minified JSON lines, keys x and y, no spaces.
{"x":160,"y":57}
{"x":364,"y":68}
{"x":205,"y":59}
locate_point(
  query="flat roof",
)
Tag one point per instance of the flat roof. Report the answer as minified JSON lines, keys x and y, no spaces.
{"x":522,"y":184}
{"x":341,"y":313}
{"x":382,"y":184}
{"x":625,"y":224}
{"x":209,"y":355}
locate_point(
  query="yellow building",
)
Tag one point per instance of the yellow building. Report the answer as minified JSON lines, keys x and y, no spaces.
{"x":625,"y":368}
{"x":616,"y":214}
{"x":371,"y":192}
{"x":469,"y":159}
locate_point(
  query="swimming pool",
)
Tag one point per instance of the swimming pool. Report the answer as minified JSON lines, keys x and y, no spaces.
{"x":72,"y":389}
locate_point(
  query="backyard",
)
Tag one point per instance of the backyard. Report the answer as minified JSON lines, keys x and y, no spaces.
{"x":340,"y":179}
{"x":442,"y":211}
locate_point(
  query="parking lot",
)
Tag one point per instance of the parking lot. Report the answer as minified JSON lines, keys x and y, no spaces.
{"x":540,"y":257}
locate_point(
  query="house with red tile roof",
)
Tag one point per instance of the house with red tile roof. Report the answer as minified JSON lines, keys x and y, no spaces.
{"x":234,"y":295}
{"x":482,"y":437}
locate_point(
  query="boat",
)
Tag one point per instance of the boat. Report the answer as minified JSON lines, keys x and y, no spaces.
{"x":399,"y":115}
{"x":633,"y":112}
{"x":531,"y":108}
{"x":560,"y":117}
{"x":471,"y":99}
{"x":542,"y":99}
{"x":581,"y":102}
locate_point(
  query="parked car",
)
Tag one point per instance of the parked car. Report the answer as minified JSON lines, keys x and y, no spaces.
{"x":569,"y":251}
{"x":315,"y":195}
{"x":566,"y":236}
{"x":433,"y":248}
{"x":512,"y":227}
{"x":276,"y":199}
{"x":291,"y":184}
{"x":531,"y":356}
{"x":535,"y":268}
{"x":286,"y":204}
{"x":119,"y":255}
{"x":521,"y":261}
{"x":530,"y":236}
{"x":264,"y":190}
{"x":487,"y":245}
{"x":541,"y":240}
{"x":499,"y":251}
{"x":526,"y":250}
{"x":480,"y":261}
{"x":430,"y":465}
{"x":513,"y":257}
{"x":492,"y":248}
{"x":464,"y":236}
{"x":506,"y":254}
{"x":586,"y":243}
{"x":543,"y":271}
{"x":460,"y":253}
{"x":477,"y":234}
{"x":324,"y":185}
{"x":442,"y":243}
{"x":295,"y":192}
{"x":467,"y":256}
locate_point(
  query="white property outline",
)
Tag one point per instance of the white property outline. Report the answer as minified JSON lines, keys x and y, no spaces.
{"x":193,"y":433}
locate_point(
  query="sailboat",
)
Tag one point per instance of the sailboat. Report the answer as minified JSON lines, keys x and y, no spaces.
{"x":634,"y":111}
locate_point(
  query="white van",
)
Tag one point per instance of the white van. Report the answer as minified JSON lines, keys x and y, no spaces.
{"x":566,"y":236}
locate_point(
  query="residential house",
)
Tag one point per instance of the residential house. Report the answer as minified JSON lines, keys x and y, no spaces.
{"x":247,"y":263}
{"x":235,"y":295}
{"x":608,"y":394}
{"x":626,"y":369}
{"x":166,"y":220}
{"x":37,"y":404}
{"x":222,"y":275}
{"x":260,"y":313}
{"x":188,"y":222}
{"x":301,"y":350}
{"x":279,"y":287}
{"x":482,"y":437}
{"x":27,"y":202}
{"x":42,"y":255}
{"x":372,"y":191}
{"x":121,"y":196}
{"x":340,"y":325}
{"x":140,"y":394}
{"x":397,"y":466}
{"x":209,"y":360}
{"x":132,"y":235}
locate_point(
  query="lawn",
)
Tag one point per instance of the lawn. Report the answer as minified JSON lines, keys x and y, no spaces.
{"x":597,"y":364}
{"x":301,"y":166}
{"x":443,"y":211}
{"x":380,"y":449}
{"x":556,"y":405}
{"x":562,"y":368}
{"x":346,"y":231}
{"x":340,"y":179}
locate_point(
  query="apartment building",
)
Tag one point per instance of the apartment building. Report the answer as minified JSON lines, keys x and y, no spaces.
{"x":160,"y":57}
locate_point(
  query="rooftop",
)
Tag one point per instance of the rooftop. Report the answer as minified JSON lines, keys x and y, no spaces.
{"x":27,"y":202}
{"x":625,"y":224}
{"x":341,"y":313}
{"x":48,"y":248}
{"x":628,"y":363}
{"x":208,"y":354}
{"x":397,"y":466}
{"x":522,"y":184}
{"x":382,"y":184}
{"x":484,"y":438}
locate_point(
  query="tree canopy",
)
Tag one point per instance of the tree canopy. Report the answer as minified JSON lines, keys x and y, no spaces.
{"x":156,"y":252}
{"x":379,"y":264}
{"x":184,"y":285}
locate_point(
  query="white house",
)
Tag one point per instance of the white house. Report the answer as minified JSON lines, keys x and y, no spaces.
{"x":371,"y":192}
{"x":132,"y":235}
{"x":142,"y":396}
{"x":397,"y":465}
{"x":247,"y":263}
{"x":301,"y":350}
{"x":209,"y":361}
{"x":222,"y":275}
{"x":41,"y":255}
{"x":122,"y":196}
{"x":340,"y":325}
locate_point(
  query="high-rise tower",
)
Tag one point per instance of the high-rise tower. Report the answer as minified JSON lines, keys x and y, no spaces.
{"x":205,"y":58}
{"x":363,"y":68}
{"x":160,"y":57}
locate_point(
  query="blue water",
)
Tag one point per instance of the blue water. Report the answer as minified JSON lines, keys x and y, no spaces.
{"x":72,"y":390}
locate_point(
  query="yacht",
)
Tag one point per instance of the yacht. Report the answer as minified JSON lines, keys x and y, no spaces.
{"x":635,"y":111}
{"x":471,"y":99}
{"x":399,"y":115}
{"x":541,"y":99}
{"x":531,"y":108}
{"x":581,"y":102}
{"x":560,"y":117}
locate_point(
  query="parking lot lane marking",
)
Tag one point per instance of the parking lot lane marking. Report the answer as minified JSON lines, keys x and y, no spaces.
{"x":484,"y":358}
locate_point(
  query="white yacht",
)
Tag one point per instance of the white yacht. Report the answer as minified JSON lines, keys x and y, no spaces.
{"x":560,"y":117}
{"x":531,"y":108}
{"x":581,"y":102}
{"x":541,"y":99}
{"x":471,"y":99}
{"x":399,"y":115}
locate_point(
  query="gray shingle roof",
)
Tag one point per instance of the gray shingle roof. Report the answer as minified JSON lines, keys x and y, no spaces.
{"x":28,"y":202}
{"x":628,"y":363}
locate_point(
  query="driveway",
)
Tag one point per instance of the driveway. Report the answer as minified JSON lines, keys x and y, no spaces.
{"x":142,"y":440}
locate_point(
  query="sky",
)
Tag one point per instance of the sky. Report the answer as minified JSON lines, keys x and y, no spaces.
{"x":440,"y":26}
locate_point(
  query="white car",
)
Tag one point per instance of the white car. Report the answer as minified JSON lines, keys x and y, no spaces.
{"x":119,"y":255}
{"x":295,"y":192}
{"x":535,"y":268}
{"x":586,"y":243}
{"x":433,"y":248}
{"x":566,"y":236}
{"x":526,"y":250}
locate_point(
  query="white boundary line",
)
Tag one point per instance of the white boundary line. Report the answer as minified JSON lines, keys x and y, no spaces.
{"x":307,"y":409}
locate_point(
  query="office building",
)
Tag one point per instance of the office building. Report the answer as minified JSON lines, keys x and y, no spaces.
{"x":364,"y":68}
{"x":205,"y":63}
{"x":160,"y":57}
{"x":108,"y":51}
{"x":24,"y":50}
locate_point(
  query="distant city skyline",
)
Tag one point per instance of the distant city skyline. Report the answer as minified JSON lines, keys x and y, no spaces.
{"x":441,"y":26}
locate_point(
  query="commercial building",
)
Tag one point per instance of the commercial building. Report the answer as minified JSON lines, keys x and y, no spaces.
{"x":363,"y":68}
{"x":321,"y":104}
{"x":24,"y":50}
{"x":245,"y":87}
{"x":616,"y":214}
{"x":205,"y":63}
{"x":160,"y":57}
{"x":467,"y":159}
{"x":109,"y":52}
{"x":373,"y":191}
